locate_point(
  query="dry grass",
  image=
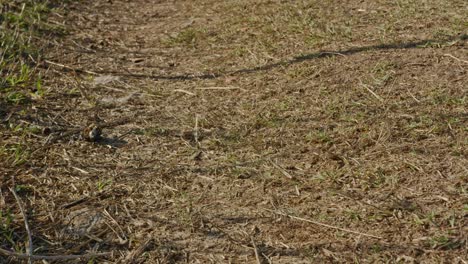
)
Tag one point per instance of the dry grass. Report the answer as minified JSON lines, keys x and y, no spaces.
{"x":247,"y":131}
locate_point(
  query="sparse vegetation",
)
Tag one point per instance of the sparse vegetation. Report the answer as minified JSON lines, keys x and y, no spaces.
{"x":22,"y":24}
{"x":238,"y":131}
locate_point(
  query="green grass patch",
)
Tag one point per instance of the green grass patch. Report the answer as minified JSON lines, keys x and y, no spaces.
{"x":14,"y":154}
{"x":22,"y":25}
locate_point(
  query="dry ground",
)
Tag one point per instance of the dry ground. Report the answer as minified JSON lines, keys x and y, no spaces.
{"x":233,"y":130}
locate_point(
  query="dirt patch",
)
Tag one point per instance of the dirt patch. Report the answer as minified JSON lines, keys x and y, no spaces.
{"x":251,"y":131}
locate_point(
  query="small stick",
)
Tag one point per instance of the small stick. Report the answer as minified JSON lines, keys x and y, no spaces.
{"x":69,"y":205}
{"x":80,"y":170}
{"x":184,"y":91}
{"x":195,"y":129}
{"x":256,"y":251}
{"x":373,"y":93}
{"x":58,"y":257}
{"x":125,"y":134}
{"x":417,"y":101}
{"x":106,"y":213}
{"x":325,"y":225}
{"x":133,"y":256}
{"x":283,"y":171}
{"x":84,"y":199}
{"x":218,"y":88}
{"x":69,"y":68}
{"x":453,"y":57}
{"x":26,"y":225}
{"x":267,"y":258}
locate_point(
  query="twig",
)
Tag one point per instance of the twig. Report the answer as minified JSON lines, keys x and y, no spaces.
{"x":58,"y":257}
{"x":195,"y":130}
{"x":283,"y":171}
{"x":26,"y":225}
{"x":136,"y":253}
{"x":333,"y":53}
{"x":267,"y":258}
{"x":455,"y":58}
{"x":218,"y":88}
{"x":325,"y":225}
{"x":69,"y":68}
{"x":84,"y":199}
{"x":417,"y":101}
{"x":183,"y":91}
{"x":80,"y":170}
{"x":120,"y":137}
{"x":106,"y":213}
{"x":74,"y":203}
{"x":372,"y":92}
{"x":256,"y":251}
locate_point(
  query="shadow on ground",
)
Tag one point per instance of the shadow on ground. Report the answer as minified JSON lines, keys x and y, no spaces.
{"x":296,"y":59}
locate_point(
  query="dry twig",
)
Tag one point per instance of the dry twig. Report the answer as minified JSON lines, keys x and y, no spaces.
{"x":283,"y":171}
{"x":219,"y":88}
{"x":257,"y":256}
{"x":133,"y":256}
{"x":69,"y":68}
{"x":455,"y":58}
{"x":184,"y":91}
{"x":26,"y":225}
{"x":372,"y":92}
{"x":57,"y":257}
{"x":325,"y":225}
{"x":196,"y":131}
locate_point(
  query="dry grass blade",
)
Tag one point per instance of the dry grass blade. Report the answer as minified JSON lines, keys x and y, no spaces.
{"x":196,"y":130}
{"x":372,"y":92}
{"x":325,"y":225}
{"x":455,"y":58}
{"x":283,"y":171}
{"x":184,"y":91}
{"x":69,"y":68}
{"x":218,"y":88}
{"x":57,"y":257}
{"x":257,"y":256}
{"x":133,"y":255}
{"x":26,"y":225}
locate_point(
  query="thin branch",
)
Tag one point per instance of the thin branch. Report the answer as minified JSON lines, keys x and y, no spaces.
{"x":372,"y":92}
{"x":257,"y":256}
{"x":183,"y":91}
{"x":325,"y":225}
{"x":283,"y":171}
{"x":219,"y":88}
{"x":58,"y":257}
{"x":455,"y":58}
{"x":196,"y":131}
{"x":267,"y":258}
{"x":69,"y":68}
{"x":26,"y":225}
{"x":136,"y":253}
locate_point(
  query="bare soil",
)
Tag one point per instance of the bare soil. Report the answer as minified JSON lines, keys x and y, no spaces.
{"x":249,"y":132}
